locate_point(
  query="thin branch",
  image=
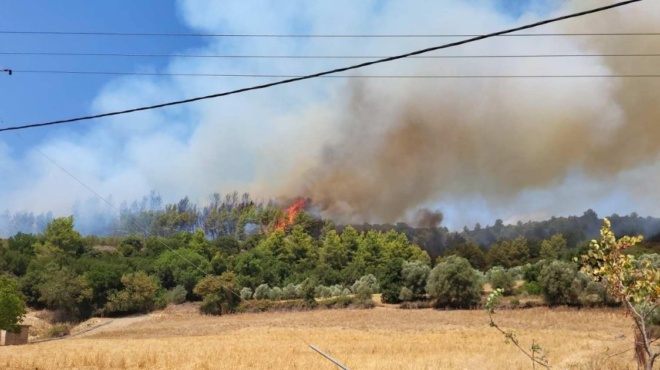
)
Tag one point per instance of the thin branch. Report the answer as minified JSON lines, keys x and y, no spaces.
{"x":513,"y":340}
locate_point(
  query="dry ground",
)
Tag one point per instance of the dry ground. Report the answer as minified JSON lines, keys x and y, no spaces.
{"x":380,"y":338}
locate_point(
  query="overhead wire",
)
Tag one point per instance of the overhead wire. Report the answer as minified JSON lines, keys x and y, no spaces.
{"x":247,"y":75}
{"x":229,"y":56}
{"x":329,"y":72}
{"x":266,"y":35}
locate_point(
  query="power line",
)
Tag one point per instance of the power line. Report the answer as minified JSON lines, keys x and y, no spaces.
{"x":265,"y":35}
{"x":156,"y":55}
{"x":241,"y":75}
{"x":320,"y":74}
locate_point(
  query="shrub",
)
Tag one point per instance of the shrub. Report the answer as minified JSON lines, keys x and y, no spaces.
{"x":262,"y":292}
{"x":218,"y":294}
{"x":531,"y":272}
{"x":406,"y":294}
{"x":414,"y":275}
{"x":138,"y":295}
{"x":336,"y":290}
{"x":391,"y":294}
{"x":58,"y":331}
{"x":557,"y":283}
{"x":275,"y":294}
{"x":290,"y":292}
{"x":454,"y":283}
{"x":365,"y":287}
{"x":499,"y":278}
{"x":176,"y":295}
{"x":308,"y":292}
{"x":246,"y":293}
{"x":323,"y":291}
{"x":532,"y":288}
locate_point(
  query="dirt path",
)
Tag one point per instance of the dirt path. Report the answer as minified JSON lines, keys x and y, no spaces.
{"x":115,"y":324}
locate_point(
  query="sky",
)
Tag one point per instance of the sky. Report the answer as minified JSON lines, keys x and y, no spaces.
{"x":375,"y":150}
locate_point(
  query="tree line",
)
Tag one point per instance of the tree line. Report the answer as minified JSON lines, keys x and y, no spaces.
{"x":240,"y":250}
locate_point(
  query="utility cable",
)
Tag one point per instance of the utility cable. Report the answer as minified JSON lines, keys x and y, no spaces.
{"x":238,"y":75}
{"x":327,"y":36}
{"x":157,"y":55}
{"x":333,"y":71}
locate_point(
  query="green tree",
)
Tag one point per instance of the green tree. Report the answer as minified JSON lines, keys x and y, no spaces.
{"x":66,"y":292}
{"x":470,"y":251}
{"x":60,"y":237}
{"x":454,"y":283}
{"x":499,"y":278}
{"x":12,"y":306}
{"x":218,"y":293}
{"x":365,"y":287}
{"x":509,"y":253}
{"x":553,"y":248}
{"x":638,"y":289}
{"x":557,"y":283}
{"x":181,"y":267}
{"x":414,"y":275}
{"x":334,"y":252}
{"x":138,"y":295}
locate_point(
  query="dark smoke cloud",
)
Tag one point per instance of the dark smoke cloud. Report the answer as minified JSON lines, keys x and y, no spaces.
{"x":404,"y":145}
{"x":428,"y":219}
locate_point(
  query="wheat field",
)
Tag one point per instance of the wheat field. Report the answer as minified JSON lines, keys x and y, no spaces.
{"x":381,"y":338}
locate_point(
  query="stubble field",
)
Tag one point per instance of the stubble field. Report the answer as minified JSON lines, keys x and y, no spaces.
{"x":381,"y":338}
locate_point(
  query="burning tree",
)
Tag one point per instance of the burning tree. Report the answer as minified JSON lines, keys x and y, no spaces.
{"x":289,"y":215}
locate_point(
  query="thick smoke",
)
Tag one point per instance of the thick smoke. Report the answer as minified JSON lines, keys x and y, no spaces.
{"x":375,"y":150}
{"x":403,"y":145}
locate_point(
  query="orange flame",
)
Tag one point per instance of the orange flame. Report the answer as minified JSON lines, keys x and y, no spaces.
{"x":290,"y":214}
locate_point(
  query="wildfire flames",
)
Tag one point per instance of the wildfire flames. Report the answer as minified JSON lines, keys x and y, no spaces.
{"x":290,"y":214}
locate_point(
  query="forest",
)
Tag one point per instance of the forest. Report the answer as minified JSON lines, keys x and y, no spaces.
{"x":152,"y":255}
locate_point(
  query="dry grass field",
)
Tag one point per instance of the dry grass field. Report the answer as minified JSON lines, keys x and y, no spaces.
{"x":379,"y":338}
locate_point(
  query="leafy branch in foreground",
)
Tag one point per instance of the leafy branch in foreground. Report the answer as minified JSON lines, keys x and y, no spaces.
{"x":535,"y":352}
{"x":635,"y":283}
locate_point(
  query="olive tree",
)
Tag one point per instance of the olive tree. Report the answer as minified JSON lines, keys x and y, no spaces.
{"x":454,"y":283}
{"x":414,"y":275}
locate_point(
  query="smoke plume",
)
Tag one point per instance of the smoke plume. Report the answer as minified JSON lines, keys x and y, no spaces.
{"x":403,"y":145}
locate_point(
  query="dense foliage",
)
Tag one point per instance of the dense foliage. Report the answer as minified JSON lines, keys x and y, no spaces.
{"x":12,"y":307}
{"x":183,"y":251}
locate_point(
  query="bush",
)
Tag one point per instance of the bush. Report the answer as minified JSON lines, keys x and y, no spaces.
{"x":532,"y":288}
{"x":414,"y":275}
{"x":176,"y":295}
{"x":323,"y":291}
{"x":454,"y":283}
{"x":406,"y":294}
{"x":391,"y":294}
{"x":58,"y":331}
{"x":138,"y":295}
{"x":336,"y":290}
{"x":531,"y":272}
{"x":290,"y":292}
{"x":499,"y":278}
{"x":557,"y":283}
{"x":262,"y":292}
{"x":218,"y":293}
{"x":246,"y":294}
{"x":275,"y":294}
{"x":365,"y":287}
